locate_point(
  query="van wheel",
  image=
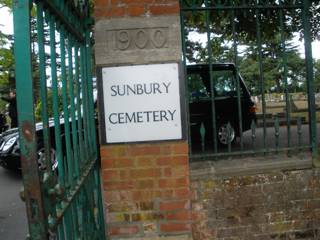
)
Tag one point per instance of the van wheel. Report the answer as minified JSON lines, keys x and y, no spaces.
{"x":224,"y":135}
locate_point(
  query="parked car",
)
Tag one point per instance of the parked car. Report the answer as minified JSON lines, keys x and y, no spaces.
{"x":224,"y":79}
{"x":10,"y":148}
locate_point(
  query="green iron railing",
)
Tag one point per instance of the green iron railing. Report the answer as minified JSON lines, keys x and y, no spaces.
{"x":261,"y":35}
{"x":59,"y":154}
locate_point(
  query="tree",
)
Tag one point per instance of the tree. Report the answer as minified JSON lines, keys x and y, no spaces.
{"x":6,"y":59}
{"x":317,"y":75}
{"x":277,"y":29}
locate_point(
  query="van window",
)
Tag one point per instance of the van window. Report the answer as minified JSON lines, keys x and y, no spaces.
{"x":197,"y":89}
{"x":224,"y":83}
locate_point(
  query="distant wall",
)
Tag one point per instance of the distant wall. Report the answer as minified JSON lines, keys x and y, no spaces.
{"x":277,"y":205}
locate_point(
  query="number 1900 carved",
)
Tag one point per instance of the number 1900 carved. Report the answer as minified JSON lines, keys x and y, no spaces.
{"x":135,"y":39}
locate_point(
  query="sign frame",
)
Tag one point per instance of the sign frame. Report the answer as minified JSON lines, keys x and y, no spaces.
{"x":101,"y":105}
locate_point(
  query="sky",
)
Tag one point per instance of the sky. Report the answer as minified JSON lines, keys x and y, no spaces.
{"x":6,"y":25}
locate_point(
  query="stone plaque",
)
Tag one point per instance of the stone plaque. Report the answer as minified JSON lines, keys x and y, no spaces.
{"x":137,"y":40}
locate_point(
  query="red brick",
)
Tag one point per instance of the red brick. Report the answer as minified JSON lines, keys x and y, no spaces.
{"x":125,"y":195}
{"x":111,"y":196}
{"x":173,"y":183}
{"x":165,"y":9}
{"x":125,"y":175}
{"x":106,"y":163}
{"x":124,"y":185}
{"x":179,"y":215}
{"x":167,"y":172}
{"x":172,"y":161}
{"x":100,"y":3}
{"x":182,"y":193}
{"x":180,"y":171}
{"x":115,"y":2}
{"x":166,"y":149}
{"x":174,"y":205}
{"x":182,"y":182}
{"x":145,"y":173}
{"x":109,"y":12}
{"x":144,"y":162}
{"x":123,"y":163}
{"x":144,"y":150}
{"x":121,"y":206}
{"x":123,"y":230}
{"x":110,"y":175}
{"x":131,"y":2}
{"x":104,"y":151}
{"x":167,"y":194}
{"x":144,"y":184}
{"x":143,"y":194}
{"x":167,"y":183}
{"x":113,"y":151}
{"x":135,"y":11}
{"x":175,"y":227}
{"x":180,"y":148}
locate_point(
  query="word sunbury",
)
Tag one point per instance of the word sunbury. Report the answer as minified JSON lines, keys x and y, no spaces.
{"x":140,"y":89}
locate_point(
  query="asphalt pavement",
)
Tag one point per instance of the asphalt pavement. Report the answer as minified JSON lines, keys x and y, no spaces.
{"x":13,"y":220}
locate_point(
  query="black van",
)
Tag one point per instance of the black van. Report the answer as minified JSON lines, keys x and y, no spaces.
{"x":224,"y":78}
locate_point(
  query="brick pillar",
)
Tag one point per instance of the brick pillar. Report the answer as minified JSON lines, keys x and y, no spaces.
{"x":146,"y":185}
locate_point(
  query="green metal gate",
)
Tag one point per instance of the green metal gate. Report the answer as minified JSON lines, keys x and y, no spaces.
{"x":57,"y":124}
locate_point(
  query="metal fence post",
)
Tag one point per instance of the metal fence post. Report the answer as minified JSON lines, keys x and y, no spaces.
{"x":24,"y":89}
{"x":310,"y":82}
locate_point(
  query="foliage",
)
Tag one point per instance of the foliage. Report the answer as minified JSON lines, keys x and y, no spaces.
{"x":49,"y":105}
{"x":228,"y":29}
{"x":6,"y":59}
{"x":6,"y":3}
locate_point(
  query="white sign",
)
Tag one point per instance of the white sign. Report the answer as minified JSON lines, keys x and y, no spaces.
{"x":142,"y":103}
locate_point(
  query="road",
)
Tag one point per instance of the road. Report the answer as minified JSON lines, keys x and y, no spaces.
{"x":13,"y":220}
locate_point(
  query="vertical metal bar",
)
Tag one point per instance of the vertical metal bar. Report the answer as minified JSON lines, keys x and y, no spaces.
{"x":97,"y":178}
{"x":72,"y":109}
{"x":75,"y":219}
{"x":253,"y":135}
{"x":80,"y":214}
{"x":276,"y":133}
{"x":55,"y":93}
{"x":184,"y":50}
{"x":229,"y":137}
{"x":67,"y":222}
{"x":43,"y":85}
{"x":48,"y":176}
{"x":25,"y":107}
{"x":203,"y":136}
{"x":261,"y":76}
{"x":91,"y":213}
{"x":91,"y":103}
{"x":299,"y":133}
{"x":84,"y":101}
{"x":235,"y":49}
{"x":285,"y":76}
{"x":78,"y":106}
{"x":310,"y":81}
{"x":211,"y":80}
{"x":69,"y":160}
{"x":61,"y":232}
